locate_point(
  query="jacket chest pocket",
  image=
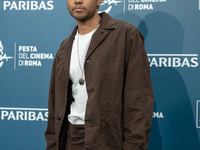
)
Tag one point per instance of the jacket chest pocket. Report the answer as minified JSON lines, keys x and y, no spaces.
{"x":112,"y":123}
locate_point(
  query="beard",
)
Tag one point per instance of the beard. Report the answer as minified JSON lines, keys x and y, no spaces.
{"x":82,"y":15}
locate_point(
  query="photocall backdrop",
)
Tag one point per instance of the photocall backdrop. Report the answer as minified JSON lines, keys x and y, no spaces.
{"x":31,"y":33}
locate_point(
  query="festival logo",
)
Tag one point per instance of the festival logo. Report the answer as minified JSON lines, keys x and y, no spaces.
{"x":3,"y":56}
{"x":26,"y":56}
{"x":108,"y":4}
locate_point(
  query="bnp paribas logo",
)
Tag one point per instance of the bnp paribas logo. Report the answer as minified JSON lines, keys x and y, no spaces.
{"x":3,"y":56}
{"x":107,"y":5}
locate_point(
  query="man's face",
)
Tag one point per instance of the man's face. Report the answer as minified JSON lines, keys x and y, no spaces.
{"x":82,"y":10}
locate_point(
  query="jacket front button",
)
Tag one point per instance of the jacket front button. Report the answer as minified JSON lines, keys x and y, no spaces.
{"x":59,"y":118}
{"x":88,"y":60}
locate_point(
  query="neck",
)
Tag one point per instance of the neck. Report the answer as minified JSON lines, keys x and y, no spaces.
{"x":88,"y":25}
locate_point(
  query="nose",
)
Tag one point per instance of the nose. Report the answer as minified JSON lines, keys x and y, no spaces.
{"x":78,"y":1}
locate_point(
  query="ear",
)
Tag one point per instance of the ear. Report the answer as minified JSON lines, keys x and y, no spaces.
{"x":99,"y":2}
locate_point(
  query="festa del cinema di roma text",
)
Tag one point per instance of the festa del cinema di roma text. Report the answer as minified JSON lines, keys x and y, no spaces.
{"x":29,"y":56}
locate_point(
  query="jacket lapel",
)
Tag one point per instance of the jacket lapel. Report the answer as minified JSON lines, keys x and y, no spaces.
{"x":105,"y":28}
{"x":99,"y":36}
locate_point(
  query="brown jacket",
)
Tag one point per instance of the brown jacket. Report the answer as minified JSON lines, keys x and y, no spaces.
{"x":120,"y":95}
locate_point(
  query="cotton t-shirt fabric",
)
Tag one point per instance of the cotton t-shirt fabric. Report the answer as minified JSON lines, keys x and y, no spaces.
{"x":79,"y":92}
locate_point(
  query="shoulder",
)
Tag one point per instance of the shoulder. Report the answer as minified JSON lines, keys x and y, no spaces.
{"x":125,"y":26}
{"x":130,"y":30}
{"x":108,"y":22}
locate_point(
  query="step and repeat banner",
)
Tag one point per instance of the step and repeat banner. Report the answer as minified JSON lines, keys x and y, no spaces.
{"x":31,"y":32}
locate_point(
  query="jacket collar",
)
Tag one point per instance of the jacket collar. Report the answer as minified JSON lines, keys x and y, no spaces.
{"x":107,"y":22}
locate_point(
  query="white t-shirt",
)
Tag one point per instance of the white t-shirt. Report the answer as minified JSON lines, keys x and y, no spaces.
{"x":79,"y":92}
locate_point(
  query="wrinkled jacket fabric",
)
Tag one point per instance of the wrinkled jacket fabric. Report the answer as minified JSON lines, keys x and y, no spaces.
{"x":120,"y":95}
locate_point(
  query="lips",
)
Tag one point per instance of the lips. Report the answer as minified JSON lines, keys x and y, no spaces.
{"x":78,"y":8}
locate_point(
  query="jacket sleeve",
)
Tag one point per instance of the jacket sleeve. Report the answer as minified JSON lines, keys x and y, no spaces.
{"x":138,"y":95}
{"x":50,"y":131}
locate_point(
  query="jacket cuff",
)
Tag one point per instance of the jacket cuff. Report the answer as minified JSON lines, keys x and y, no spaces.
{"x":132,"y":146}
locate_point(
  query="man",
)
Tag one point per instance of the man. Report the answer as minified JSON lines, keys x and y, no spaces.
{"x":100,"y":97}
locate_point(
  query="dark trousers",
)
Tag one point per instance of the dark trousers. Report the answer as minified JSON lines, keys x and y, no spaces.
{"x":75,"y":137}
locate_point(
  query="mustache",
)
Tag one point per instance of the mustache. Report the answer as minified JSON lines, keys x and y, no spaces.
{"x":79,"y":6}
